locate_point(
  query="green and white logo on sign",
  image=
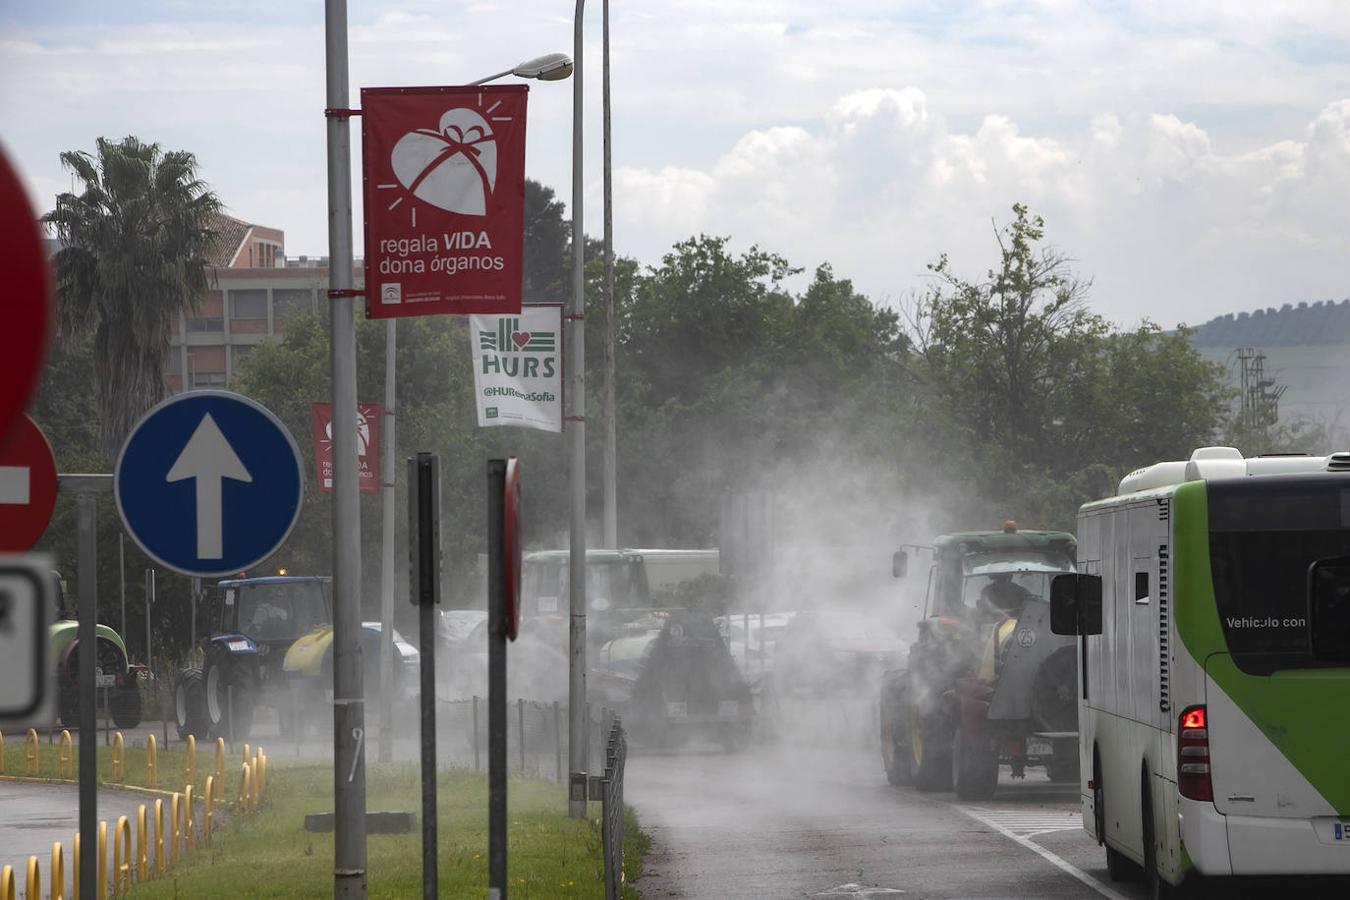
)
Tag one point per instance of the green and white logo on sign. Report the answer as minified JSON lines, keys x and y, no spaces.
{"x":508,"y":338}
{"x":517,"y":367}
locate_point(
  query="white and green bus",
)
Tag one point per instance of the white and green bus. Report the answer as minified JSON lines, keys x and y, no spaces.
{"x":1212,"y":600}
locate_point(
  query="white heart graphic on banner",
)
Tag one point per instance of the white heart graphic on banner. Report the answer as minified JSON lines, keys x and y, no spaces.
{"x":454,"y":168}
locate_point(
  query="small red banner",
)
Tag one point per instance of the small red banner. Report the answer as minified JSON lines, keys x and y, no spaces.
{"x":367,"y":445}
{"x":444,"y":171}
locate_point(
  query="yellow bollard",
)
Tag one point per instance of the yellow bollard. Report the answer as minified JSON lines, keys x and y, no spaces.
{"x":261,"y":775}
{"x":101,"y":885}
{"x":65,"y":756}
{"x":220,"y":767}
{"x":248,"y":755}
{"x":208,"y":804}
{"x":142,"y":847}
{"x":75,"y":860}
{"x":245,"y":789}
{"x":159,"y":837}
{"x":121,"y":857}
{"x":174,"y":834}
{"x":32,"y":885}
{"x":256,"y":782}
{"x":190,"y":759}
{"x":189,"y":820}
{"x":58,"y":873}
{"x":119,"y":757}
{"x":151,"y":763}
{"x":7,"y":883}
{"x":31,"y":751}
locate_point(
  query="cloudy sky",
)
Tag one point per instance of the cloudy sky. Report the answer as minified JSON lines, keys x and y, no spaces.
{"x":1193,"y":158}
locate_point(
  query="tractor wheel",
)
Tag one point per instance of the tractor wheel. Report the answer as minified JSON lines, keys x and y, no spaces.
{"x":189,"y":703}
{"x":974,"y":767}
{"x":930,"y":748}
{"x":229,"y":696}
{"x":126,"y":705}
{"x":894,"y":715}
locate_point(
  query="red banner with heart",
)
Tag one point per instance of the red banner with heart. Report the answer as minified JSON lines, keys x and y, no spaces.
{"x":444,"y":172}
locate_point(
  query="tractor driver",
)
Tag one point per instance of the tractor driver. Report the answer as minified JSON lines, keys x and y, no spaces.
{"x":269,"y":620}
{"x":1002,"y":596}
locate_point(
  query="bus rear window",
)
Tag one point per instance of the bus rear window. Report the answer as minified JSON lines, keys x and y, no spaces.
{"x":1264,"y":535}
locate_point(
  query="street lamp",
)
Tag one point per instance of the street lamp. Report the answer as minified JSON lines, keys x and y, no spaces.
{"x":549,"y":67}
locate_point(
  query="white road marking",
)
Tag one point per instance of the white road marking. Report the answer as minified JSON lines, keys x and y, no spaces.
{"x":991,"y":818}
{"x":853,"y":889}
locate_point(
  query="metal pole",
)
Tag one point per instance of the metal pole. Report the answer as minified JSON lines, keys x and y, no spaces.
{"x":497,"y":721}
{"x":122,"y":577}
{"x":149,"y":604}
{"x":425,"y":555}
{"x":387,"y":562}
{"x":610,"y":460}
{"x":196,"y":600}
{"x":576,"y":408}
{"x":87,"y":554}
{"x":349,"y":771}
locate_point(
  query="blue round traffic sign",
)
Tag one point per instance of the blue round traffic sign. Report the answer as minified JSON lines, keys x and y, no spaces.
{"x":209,"y":483}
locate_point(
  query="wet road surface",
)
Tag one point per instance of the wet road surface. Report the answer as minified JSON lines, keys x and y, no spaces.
{"x":779,"y":822}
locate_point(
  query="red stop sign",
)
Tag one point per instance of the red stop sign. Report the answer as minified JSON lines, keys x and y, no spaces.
{"x":25,"y":302}
{"x":511,"y":545}
{"x":27,"y":486}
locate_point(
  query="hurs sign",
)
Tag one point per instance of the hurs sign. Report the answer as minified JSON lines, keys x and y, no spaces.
{"x":444,"y":171}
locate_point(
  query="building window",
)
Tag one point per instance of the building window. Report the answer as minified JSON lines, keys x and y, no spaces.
{"x":248,"y":304}
{"x":208,"y":379}
{"x":239,"y":356}
{"x":287,"y":302}
{"x":205,"y":324}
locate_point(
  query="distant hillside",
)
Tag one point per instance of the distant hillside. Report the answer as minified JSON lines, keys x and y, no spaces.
{"x":1304,"y":325}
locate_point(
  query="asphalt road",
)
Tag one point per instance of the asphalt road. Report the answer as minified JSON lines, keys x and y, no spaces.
{"x":778,"y":822}
{"x":34,"y":816}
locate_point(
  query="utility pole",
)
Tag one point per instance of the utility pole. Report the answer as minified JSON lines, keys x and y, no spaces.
{"x":576,"y":418}
{"x":349,"y":771}
{"x":387,"y":476}
{"x":607,"y":402}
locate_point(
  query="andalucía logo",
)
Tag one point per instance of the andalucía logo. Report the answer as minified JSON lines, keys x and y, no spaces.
{"x":509,"y":338}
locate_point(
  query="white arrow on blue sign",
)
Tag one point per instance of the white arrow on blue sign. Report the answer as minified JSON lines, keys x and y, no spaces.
{"x":209,"y":483}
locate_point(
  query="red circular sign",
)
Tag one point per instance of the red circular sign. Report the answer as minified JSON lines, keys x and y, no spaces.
{"x":25,"y":311}
{"x":511,"y":545}
{"x":27,"y":486}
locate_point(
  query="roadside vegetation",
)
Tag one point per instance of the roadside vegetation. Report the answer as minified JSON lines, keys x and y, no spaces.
{"x":550,"y":855}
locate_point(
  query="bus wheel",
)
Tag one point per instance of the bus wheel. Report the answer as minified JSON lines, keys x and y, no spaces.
{"x":1158,"y":889}
{"x":1118,"y":865}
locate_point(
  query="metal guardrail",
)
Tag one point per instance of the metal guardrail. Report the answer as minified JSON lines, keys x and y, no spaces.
{"x":608,"y":789}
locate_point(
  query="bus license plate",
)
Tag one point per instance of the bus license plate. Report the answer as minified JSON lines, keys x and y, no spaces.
{"x":1038,"y":747}
{"x":105,"y":680}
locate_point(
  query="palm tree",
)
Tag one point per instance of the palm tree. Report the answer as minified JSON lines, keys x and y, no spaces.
{"x":135,"y":246}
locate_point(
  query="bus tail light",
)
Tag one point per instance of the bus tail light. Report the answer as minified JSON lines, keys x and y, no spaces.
{"x":1193,"y":780}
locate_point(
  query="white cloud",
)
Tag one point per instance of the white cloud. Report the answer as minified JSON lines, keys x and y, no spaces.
{"x":1168,"y":225}
{"x":1191,"y":156}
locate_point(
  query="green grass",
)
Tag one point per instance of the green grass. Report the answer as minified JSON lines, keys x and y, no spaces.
{"x":269,"y":854}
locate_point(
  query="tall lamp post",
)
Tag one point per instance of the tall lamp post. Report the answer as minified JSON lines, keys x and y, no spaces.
{"x":575,"y":367}
{"x":550,"y":67}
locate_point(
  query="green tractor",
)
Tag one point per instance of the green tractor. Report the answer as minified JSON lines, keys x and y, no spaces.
{"x":116,"y":680}
{"x":241,"y":666}
{"x":986,"y":682}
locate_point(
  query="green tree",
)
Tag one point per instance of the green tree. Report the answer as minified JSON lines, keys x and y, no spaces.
{"x":135,"y":241}
{"x":1036,"y":403}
